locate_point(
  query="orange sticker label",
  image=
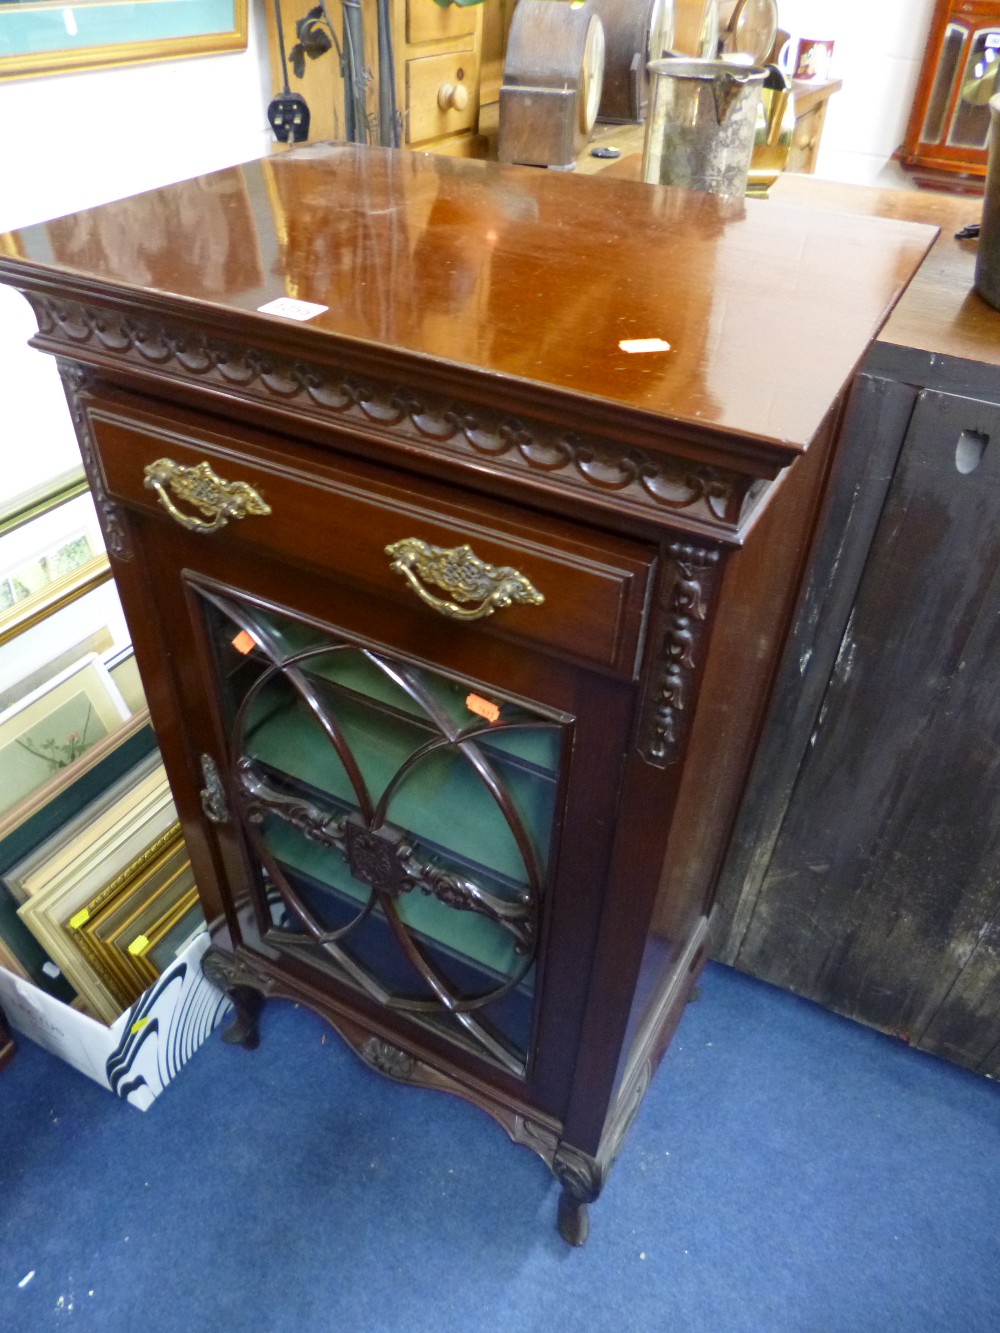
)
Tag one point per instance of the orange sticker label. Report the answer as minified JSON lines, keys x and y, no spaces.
{"x":482,"y":707}
{"x":243,"y":643}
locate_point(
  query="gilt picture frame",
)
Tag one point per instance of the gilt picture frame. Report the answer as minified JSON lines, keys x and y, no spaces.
{"x":102,"y":868}
{"x":49,"y":557}
{"x":51,"y":37}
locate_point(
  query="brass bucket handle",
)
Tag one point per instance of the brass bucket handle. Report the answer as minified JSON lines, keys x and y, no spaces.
{"x":219,"y":500}
{"x":460,"y":573}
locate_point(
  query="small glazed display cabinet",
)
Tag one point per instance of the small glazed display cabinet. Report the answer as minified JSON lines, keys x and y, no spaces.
{"x":950,"y":117}
{"x":457,"y":611}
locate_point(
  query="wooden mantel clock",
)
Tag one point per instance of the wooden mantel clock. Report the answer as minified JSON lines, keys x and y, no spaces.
{"x":457,"y":511}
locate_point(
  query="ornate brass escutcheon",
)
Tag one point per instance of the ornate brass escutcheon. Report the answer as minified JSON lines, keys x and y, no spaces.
{"x":219,"y":500}
{"x":460,"y":573}
{"x":213,"y":795}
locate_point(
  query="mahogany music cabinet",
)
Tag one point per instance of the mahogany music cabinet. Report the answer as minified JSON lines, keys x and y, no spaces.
{"x":457,"y":580}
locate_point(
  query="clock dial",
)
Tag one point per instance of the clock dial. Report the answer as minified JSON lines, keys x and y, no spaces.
{"x":592,"y":75}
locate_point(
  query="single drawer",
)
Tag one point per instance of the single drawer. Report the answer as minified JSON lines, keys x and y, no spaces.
{"x":427,"y":22}
{"x":442,"y":95}
{"x":445,"y":553}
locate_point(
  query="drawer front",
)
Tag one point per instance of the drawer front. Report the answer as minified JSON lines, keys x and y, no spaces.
{"x":805,"y":140}
{"x":454,"y":556}
{"x":442,"y":95}
{"x":427,"y":22}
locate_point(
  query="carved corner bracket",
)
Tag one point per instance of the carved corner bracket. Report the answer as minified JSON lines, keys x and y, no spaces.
{"x":580,"y":1175}
{"x":689,"y":587}
{"x":228,"y":971}
{"x":245,"y":986}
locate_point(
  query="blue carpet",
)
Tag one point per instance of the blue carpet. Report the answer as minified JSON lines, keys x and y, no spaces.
{"x":788,"y":1170}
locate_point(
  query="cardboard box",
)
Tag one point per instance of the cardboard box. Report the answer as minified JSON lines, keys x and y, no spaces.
{"x":146,"y":1045}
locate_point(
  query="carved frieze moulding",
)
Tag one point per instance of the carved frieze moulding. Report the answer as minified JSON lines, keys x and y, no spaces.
{"x":75,"y":380}
{"x":691,"y":579}
{"x":580,"y":463}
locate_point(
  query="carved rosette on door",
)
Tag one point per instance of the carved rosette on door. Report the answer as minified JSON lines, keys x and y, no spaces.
{"x":400,"y":823}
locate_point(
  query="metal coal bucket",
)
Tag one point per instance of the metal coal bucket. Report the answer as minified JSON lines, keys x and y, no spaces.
{"x":700,"y":130}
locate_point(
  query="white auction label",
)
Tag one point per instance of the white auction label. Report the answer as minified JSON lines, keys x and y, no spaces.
{"x":289,"y":308}
{"x":644,"y":345}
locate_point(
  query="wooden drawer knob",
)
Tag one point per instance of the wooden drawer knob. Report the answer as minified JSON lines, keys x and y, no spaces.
{"x":453,"y":97}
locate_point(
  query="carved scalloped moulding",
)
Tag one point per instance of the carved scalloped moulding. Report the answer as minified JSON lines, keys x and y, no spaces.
{"x":580,"y":463}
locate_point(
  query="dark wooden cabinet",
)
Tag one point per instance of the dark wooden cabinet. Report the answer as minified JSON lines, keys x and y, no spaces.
{"x":863,"y":869}
{"x":950,"y":117}
{"x":457,"y":618}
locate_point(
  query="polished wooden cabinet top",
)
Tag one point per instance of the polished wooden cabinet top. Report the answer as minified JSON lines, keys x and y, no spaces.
{"x":524,"y":277}
{"x":940,"y":313}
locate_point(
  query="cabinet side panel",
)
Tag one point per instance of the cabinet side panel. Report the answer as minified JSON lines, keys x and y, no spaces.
{"x":865,"y":458}
{"x":759,"y":589}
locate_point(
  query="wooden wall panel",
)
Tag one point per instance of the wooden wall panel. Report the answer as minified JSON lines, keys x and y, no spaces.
{"x":882,"y":888}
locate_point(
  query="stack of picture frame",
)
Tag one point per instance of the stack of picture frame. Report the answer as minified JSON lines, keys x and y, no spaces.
{"x":97,"y":896}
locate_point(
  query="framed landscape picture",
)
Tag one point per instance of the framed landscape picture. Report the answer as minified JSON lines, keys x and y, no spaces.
{"x":53,"y":727}
{"x":47,"y":560}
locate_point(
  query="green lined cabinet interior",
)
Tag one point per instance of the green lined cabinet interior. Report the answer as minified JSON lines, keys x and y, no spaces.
{"x":400,"y":839}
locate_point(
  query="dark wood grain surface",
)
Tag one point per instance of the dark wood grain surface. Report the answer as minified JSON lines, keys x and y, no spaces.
{"x":939,"y":312}
{"x":883,"y":879}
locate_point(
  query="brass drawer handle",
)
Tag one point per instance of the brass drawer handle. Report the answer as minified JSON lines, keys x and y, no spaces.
{"x":219,"y":500}
{"x":461,"y":574}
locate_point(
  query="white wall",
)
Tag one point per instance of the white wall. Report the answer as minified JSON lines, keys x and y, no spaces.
{"x":879,"y":45}
{"x":74,"y":140}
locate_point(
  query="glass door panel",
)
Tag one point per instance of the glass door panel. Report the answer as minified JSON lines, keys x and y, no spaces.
{"x":971,"y":121}
{"x":402,"y":820}
{"x":949,"y":65}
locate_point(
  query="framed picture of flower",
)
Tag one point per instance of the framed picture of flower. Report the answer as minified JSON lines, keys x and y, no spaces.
{"x":54,"y":726}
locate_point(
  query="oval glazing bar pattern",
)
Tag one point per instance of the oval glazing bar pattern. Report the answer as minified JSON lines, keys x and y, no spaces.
{"x":390,"y":806}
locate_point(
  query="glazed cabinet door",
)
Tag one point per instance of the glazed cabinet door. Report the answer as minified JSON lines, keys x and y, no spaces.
{"x":400,"y":823}
{"x":402,"y":721}
{"x":950,"y":118}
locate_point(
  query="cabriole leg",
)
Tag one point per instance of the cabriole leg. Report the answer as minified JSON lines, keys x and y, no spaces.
{"x":244,"y":988}
{"x":582,"y":1179}
{"x":244,"y":1030}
